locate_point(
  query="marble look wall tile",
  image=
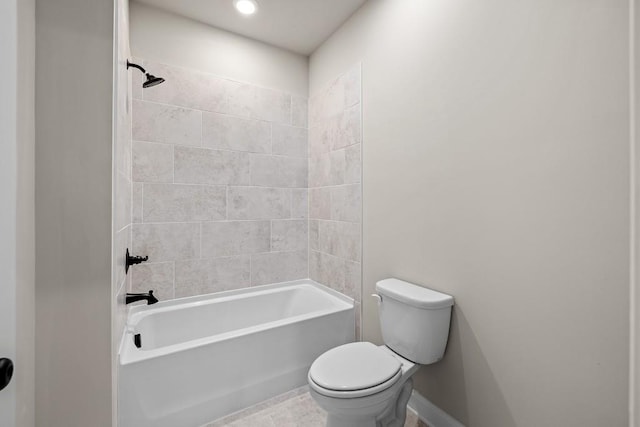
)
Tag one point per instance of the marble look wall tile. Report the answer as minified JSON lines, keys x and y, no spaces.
{"x":352,"y":84}
{"x":261,"y":103}
{"x":153,"y":276}
{"x":259,"y":203}
{"x":337,"y":165}
{"x":319,"y":170}
{"x":299,"y":111}
{"x":203,"y":91}
{"x":337,"y":273}
{"x":299,"y":203}
{"x":346,"y":203}
{"x":136,"y":202}
{"x":166,"y":242}
{"x":191,"y":89}
{"x":289,"y":235}
{"x":327,"y":269}
{"x":341,"y":239}
{"x":122,"y":201}
{"x":353,"y":164}
{"x":152,"y":162}
{"x":314,"y":238}
{"x":274,"y":267}
{"x":327,"y":103}
{"x":353,"y":280}
{"x":336,"y":96}
{"x":320,"y":203}
{"x":314,"y":266}
{"x":347,"y":128}
{"x":177,"y":203}
{"x":203,"y":276}
{"x":278,"y":171}
{"x":212,"y":167}
{"x":289,"y":140}
{"x":137,"y":79}
{"x":335,"y":196}
{"x":327,"y":169}
{"x":314,"y":107}
{"x":332,"y":271}
{"x":227,"y":238}
{"x":320,"y":138}
{"x":234,"y":133}
{"x":166,"y":123}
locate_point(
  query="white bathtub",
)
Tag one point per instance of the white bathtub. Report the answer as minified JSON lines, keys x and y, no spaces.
{"x":208,"y":356}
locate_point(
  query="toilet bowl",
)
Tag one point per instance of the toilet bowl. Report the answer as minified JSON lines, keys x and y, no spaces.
{"x":364,"y":385}
{"x":371,"y":380}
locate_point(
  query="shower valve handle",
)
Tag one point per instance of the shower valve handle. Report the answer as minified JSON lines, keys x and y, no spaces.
{"x":132,"y":260}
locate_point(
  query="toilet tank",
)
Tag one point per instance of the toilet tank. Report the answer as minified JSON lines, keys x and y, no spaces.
{"x":414,"y":320}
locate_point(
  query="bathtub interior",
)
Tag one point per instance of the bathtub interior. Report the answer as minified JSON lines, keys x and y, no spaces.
{"x":196,"y":320}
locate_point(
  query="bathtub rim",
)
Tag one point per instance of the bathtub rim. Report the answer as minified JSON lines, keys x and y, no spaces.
{"x":128,"y":354}
{"x":132,"y":310}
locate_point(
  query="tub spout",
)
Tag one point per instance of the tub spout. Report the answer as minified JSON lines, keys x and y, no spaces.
{"x":139,"y":297}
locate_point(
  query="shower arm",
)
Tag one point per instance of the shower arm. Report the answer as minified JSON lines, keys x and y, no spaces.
{"x":131,"y":64}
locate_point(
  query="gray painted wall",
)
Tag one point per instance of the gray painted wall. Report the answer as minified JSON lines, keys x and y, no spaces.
{"x":160,"y":36}
{"x":74,"y":84}
{"x":9,"y":47}
{"x":496,"y":169}
{"x":17,"y":213}
{"x":635,"y":364}
{"x":25,"y":218}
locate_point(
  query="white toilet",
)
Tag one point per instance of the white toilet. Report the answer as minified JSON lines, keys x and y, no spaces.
{"x":363,"y":385}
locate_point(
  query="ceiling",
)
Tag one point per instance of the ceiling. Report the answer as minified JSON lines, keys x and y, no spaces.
{"x":296,"y":25}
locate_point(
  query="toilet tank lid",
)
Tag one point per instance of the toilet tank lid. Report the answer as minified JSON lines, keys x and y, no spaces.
{"x":413,"y":295}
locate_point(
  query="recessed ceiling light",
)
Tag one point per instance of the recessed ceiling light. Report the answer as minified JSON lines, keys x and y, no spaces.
{"x":246,"y":7}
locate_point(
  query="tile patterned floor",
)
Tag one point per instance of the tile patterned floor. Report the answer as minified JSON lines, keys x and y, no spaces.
{"x":293,"y":409}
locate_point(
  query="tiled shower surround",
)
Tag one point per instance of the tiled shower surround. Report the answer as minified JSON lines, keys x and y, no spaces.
{"x":335,"y":190}
{"x":219,"y":185}
{"x":221,"y":176}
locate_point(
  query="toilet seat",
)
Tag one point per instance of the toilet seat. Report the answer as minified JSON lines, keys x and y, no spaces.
{"x":354,"y":370}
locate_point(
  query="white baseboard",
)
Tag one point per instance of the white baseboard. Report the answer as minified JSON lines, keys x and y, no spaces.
{"x":430,"y":413}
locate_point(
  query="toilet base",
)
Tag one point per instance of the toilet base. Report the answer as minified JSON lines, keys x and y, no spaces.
{"x":397,"y":414}
{"x":393,"y":416}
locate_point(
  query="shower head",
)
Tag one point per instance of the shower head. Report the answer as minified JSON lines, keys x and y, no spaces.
{"x":151,"y":79}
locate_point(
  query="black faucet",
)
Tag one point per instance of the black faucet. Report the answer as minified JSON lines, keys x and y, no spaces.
{"x":139,"y":297}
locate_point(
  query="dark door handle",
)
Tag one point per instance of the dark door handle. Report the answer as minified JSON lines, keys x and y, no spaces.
{"x":6,"y":372}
